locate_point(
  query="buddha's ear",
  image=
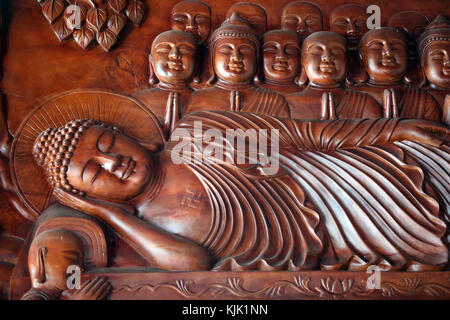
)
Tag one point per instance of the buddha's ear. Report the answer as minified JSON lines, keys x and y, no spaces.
{"x":152,"y":76}
{"x":302,"y":78}
{"x":40,"y":276}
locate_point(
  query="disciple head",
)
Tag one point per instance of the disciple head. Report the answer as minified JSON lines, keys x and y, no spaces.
{"x":50,"y":254}
{"x":253,"y":13}
{"x":88,"y":157}
{"x":192,"y":16}
{"x":434,"y":51}
{"x":281,"y":55}
{"x":412,"y":23}
{"x":302,"y":17}
{"x":324,"y":58}
{"x":349,"y":20}
{"x":234,"y":51}
{"x":172,"y":57}
{"x":383,"y":53}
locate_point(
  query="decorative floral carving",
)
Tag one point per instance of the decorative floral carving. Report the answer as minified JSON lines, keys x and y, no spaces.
{"x":325,"y":288}
{"x":100,"y":20}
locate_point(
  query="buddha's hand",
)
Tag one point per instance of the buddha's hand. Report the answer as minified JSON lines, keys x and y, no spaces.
{"x":93,"y":289}
{"x":94,"y":207}
{"x":421,"y":131}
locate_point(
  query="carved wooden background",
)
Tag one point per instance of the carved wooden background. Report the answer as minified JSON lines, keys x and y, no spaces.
{"x":36,"y":65}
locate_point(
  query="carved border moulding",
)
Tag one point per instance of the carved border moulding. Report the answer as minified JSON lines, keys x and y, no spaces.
{"x":277,"y":285}
{"x":90,"y":21}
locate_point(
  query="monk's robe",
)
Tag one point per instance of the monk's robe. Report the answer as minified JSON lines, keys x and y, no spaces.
{"x":349,"y":104}
{"x":248,"y":98}
{"x":168,"y":112}
{"x":412,"y":102}
{"x":339,"y":200}
{"x":438,"y":95}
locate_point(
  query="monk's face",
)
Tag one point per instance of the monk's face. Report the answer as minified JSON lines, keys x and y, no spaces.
{"x":301,"y":17}
{"x":350,"y":22}
{"x":436,"y":64}
{"x":193,"y":17}
{"x":384,"y":55}
{"x":109,"y":165}
{"x":324,"y":58}
{"x":235,"y":59}
{"x":173,"y":58}
{"x":253,"y":14}
{"x":281,"y":55}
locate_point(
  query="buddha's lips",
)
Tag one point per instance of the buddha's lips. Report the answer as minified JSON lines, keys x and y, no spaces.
{"x":280,"y":66}
{"x":388,"y":62}
{"x":236,"y":67}
{"x":175,"y":66}
{"x":129,"y":169}
{"x":326,"y":67}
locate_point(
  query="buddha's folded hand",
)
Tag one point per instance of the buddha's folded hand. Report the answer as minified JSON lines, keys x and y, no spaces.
{"x":421,"y":131}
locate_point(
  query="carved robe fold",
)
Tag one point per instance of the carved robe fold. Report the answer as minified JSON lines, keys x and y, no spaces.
{"x":340,"y":200}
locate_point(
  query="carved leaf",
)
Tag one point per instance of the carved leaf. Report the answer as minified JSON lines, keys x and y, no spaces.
{"x":117,"y":5}
{"x":116,"y":22}
{"x":96,"y":18}
{"x":74,"y":15}
{"x":61,"y":30}
{"x":135,"y":12}
{"x":106,"y":39}
{"x":84,"y":36}
{"x":52,"y":9}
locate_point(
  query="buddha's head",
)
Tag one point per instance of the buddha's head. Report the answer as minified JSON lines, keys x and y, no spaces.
{"x":434,"y":51}
{"x":384,"y":54}
{"x":324,"y":58}
{"x":172,"y":57}
{"x":88,"y":157}
{"x":253,"y":13}
{"x":234,"y":51}
{"x":281,"y":55}
{"x":302,"y":17}
{"x":50,"y":254}
{"x":349,"y":20}
{"x":192,"y":16}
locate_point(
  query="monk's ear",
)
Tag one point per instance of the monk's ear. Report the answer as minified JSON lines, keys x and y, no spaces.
{"x":152,"y":77}
{"x":40,"y":276}
{"x":258,"y":79}
{"x":302,"y":78}
{"x":423,"y":78}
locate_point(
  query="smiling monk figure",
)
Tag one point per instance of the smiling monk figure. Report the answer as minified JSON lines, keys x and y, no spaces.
{"x":235,"y":52}
{"x":324,"y":62}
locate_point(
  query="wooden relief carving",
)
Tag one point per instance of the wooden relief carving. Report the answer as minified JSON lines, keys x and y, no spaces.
{"x":89,"y":21}
{"x":349,"y":174}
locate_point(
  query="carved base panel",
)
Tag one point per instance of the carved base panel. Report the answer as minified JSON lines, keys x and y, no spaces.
{"x":309,"y":285}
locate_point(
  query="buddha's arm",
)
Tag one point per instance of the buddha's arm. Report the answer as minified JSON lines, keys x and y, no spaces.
{"x":339,"y":134}
{"x":160,"y":248}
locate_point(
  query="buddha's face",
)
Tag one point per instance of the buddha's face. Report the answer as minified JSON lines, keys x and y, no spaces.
{"x":173,"y":58}
{"x":301,"y":17}
{"x":324,"y":58}
{"x":108,"y":165}
{"x":193,"y":17}
{"x":253,"y":14}
{"x":384,"y":55}
{"x":235,"y":59}
{"x":56,"y":250}
{"x":281,"y":55}
{"x":436,"y":64}
{"x":350,"y":22}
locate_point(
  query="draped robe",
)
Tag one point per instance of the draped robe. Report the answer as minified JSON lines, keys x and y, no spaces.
{"x":343,"y":198}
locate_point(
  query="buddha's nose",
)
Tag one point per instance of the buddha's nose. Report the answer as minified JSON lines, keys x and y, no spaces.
{"x":236,"y":56}
{"x":352,"y":29}
{"x":110,"y":161}
{"x":190,"y":26}
{"x":174,"y":53}
{"x":387,"y":51}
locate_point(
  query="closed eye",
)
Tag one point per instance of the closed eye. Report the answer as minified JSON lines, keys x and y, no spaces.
{"x":90,"y":172}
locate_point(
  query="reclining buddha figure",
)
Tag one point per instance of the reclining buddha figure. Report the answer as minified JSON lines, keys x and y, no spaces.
{"x":235,"y":52}
{"x":384,"y":55}
{"x":281,"y":61}
{"x":434,"y":52}
{"x":172,"y":66}
{"x":324,"y":64}
{"x":360,"y":206}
